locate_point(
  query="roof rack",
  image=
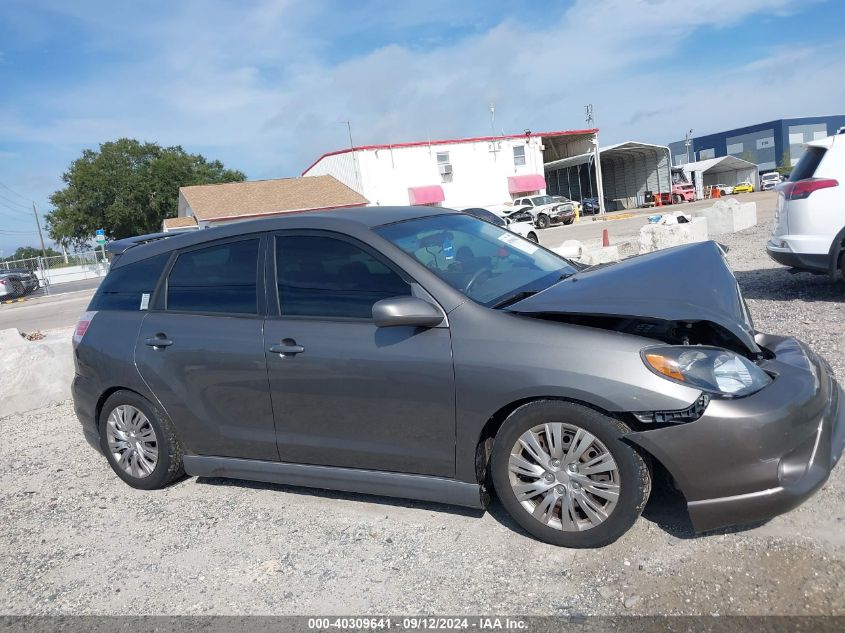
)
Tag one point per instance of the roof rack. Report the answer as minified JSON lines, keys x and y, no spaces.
{"x":120,"y":246}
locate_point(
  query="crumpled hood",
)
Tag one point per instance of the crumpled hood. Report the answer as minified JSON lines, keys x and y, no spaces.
{"x":685,"y":283}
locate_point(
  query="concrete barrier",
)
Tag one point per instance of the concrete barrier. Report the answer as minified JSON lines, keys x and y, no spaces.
{"x":34,"y":373}
{"x":571,"y":249}
{"x":729,"y":216}
{"x":603,"y":255}
{"x":654,"y":237}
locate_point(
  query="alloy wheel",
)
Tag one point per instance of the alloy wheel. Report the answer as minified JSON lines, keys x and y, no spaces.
{"x":564,"y":476}
{"x":132,"y":441}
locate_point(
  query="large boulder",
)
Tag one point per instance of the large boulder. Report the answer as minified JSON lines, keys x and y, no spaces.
{"x":34,"y":373}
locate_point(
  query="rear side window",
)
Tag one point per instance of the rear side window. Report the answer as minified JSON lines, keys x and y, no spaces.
{"x":807,"y":164}
{"x":327,"y":277}
{"x":130,"y":287}
{"x":219,"y":278}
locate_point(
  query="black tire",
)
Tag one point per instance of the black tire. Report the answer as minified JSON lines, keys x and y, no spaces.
{"x":569,"y":221}
{"x":677,"y":199}
{"x":17,"y":288}
{"x":633,"y":470}
{"x":543,"y":221}
{"x":532,"y":237}
{"x":169,"y":465}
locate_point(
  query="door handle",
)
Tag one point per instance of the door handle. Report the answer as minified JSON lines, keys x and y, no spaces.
{"x":158,"y":341}
{"x":287,"y":347}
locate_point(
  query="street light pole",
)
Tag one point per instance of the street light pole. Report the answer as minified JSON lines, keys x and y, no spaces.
{"x":688,"y":142}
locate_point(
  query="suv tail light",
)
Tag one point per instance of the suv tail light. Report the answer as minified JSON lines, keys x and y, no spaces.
{"x":802,"y":189}
{"x":82,"y":326}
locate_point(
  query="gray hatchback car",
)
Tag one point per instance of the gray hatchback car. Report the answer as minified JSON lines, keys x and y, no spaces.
{"x":423,"y":353}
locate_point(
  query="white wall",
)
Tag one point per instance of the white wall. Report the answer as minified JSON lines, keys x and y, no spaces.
{"x":479,"y":175}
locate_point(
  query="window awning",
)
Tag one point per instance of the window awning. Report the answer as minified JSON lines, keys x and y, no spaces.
{"x":531,"y":182}
{"x":426,"y":195}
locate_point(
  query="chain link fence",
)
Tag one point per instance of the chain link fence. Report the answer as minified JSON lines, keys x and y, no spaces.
{"x":59,"y":269}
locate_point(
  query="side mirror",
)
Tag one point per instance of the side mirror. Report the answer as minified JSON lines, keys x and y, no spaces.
{"x":406,"y":311}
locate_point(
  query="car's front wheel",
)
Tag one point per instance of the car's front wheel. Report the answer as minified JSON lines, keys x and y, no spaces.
{"x":139,"y":441}
{"x":564,"y":474}
{"x":532,"y":237}
{"x":17,"y":288}
{"x":543,"y":221}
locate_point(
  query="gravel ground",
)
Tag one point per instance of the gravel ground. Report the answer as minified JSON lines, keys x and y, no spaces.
{"x":76,"y":540}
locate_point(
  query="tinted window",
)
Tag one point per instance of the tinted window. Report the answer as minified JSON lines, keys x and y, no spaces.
{"x":807,"y":164}
{"x":327,"y":277}
{"x":124,"y":287}
{"x":218,"y":278}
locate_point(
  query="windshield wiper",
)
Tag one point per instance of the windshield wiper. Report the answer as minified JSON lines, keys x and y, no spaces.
{"x":510,"y":299}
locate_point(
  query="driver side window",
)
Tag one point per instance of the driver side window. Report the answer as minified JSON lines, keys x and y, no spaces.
{"x":327,"y":277}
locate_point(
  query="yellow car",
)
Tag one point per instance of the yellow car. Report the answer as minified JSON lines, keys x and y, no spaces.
{"x":744,"y":187}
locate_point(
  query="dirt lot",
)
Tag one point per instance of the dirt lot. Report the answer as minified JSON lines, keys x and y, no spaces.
{"x":74,"y":539}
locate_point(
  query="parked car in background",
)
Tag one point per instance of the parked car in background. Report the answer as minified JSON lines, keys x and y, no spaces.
{"x":743,"y":187}
{"x":564,"y":200}
{"x":546,"y":211}
{"x":809,"y":229}
{"x":724,"y":189}
{"x":511,"y":222}
{"x":364,"y":350}
{"x":769,"y":180}
{"x":17,"y":282}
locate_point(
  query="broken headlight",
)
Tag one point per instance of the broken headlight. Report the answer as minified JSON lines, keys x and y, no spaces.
{"x":710,"y":369}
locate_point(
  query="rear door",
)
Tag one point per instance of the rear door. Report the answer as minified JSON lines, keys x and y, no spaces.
{"x":201,"y":350}
{"x":345,"y":392}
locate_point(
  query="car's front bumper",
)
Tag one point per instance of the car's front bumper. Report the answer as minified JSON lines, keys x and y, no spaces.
{"x":749,"y":459}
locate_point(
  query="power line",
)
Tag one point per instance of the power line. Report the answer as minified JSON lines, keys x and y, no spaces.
{"x":7,"y":207}
{"x":10,"y":201}
{"x":7,"y":187}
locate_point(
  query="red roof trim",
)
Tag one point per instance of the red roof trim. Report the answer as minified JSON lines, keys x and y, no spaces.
{"x":272,"y":213}
{"x":448,"y":141}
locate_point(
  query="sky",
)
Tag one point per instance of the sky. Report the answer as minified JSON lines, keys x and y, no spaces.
{"x":266,"y":86}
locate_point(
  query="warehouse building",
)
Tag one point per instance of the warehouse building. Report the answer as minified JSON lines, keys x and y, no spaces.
{"x":457,"y":173}
{"x":768,"y":145}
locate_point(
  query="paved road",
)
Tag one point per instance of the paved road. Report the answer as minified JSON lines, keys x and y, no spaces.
{"x":45,"y":313}
{"x":629,"y":228}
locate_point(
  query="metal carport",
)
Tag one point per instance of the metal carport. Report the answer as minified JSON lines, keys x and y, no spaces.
{"x":628,"y":171}
{"x":725,"y":170}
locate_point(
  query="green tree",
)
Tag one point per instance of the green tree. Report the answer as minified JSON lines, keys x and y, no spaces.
{"x":27,"y":252}
{"x":126,"y":188}
{"x":786,"y":164}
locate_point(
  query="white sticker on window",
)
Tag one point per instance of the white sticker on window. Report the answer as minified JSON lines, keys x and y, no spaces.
{"x":145,"y":300}
{"x":517,"y":242}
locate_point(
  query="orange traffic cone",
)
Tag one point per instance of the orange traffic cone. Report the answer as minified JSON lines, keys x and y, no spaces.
{"x":605,"y":238}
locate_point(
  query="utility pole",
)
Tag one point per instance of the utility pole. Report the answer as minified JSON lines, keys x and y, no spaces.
{"x":688,"y":142}
{"x":588,"y":110}
{"x":354,"y":157}
{"x":40,"y":235}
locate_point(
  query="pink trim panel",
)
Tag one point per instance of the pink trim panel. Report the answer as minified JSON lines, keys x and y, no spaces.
{"x":426,"y":195}
{"x":532,"y":182}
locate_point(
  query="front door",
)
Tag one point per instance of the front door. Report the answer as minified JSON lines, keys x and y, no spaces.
{"x":202,"y":352}
{"x":345,"y":392}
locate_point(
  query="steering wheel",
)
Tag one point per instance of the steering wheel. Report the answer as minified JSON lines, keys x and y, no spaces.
{"x":476,"y":277}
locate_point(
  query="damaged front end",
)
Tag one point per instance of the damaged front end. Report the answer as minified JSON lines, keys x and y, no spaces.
{"x":682,"y":296}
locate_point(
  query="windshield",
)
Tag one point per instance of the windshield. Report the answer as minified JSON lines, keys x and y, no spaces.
{"x":542,"y":200}
{"x":488,"y":264}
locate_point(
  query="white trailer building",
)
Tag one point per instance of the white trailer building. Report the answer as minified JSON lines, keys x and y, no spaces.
{"x":459,"y":173}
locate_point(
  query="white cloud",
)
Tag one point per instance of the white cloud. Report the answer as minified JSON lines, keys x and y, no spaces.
{"x":264,"y":89}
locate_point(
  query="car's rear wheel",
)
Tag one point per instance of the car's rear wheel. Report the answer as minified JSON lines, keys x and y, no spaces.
{"x":564,"y":474}
{"x":17,"y":288}
{"x":677,"y":198}
{"x":543,"y":221}
{"x":139,"y":441}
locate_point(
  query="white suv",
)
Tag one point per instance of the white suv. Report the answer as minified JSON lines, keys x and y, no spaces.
{"x":769,"y":180}
{"x":810,"y":216}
